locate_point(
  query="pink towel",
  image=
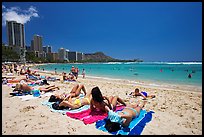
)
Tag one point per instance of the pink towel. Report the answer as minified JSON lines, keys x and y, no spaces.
{"x":89,"y":117}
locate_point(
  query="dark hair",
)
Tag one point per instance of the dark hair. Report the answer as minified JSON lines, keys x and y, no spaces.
{"x":57,"y":107}
{"x":112,"y":126}
{"x":96,"y":94}
{"x":54,"y":99}
{"x":137,"y":90}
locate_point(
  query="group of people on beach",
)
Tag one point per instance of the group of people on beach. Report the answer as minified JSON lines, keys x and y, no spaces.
{"x":97,"y":101}
{"x":73,"y":100}
{"x":73,"y":74}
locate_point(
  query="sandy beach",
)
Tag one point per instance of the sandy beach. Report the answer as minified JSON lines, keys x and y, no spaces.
{"x":178,"y":109}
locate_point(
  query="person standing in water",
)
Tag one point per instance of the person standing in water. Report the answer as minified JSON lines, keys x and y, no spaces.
{"x":83,"y":73}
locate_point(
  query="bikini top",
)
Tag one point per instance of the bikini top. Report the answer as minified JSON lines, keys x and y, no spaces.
{"x":114,"y":117}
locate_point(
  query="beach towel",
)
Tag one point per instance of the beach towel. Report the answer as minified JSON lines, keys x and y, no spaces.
{"x":135,"y":127}
{"x":29,"y":97}
{"x":11,"y":85}
{"x":49,"y":104}
{"x":89,"y":117}
{"x":52,"y":79}
{"x":32,"y":77}
{"x":43,"y":77}
{"x":69,"y":80}
{"x":20,"y":93}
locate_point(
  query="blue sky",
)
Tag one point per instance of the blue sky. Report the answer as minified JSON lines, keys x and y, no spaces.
{"x":151,"y":31}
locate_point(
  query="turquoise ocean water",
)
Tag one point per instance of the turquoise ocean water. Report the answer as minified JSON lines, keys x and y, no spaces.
{"x":155,"y":72}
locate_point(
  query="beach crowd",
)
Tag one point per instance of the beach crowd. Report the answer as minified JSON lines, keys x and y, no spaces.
{"x":22,"y":80}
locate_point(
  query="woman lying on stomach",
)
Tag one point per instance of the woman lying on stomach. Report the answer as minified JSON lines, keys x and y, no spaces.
{"x":123,"y":117}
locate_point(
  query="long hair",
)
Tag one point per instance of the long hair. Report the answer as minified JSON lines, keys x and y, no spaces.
{"x":112,"y":126}
{"x":96,"y":94}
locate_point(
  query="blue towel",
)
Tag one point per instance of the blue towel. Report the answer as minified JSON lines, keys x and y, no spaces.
{"x":65,"y":110}
{"x":32,"y":77}
{"x":43,"y":77}
{"x":135,"y":127}
{"x":32,"y":84}
{"x":69,"y":80}
{"x":20,"y":93}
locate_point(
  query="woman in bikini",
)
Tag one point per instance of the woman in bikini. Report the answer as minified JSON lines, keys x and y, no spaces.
{"x":76,"y":102}
{"x":26,"y":88}
{"x":75,"y":92}
{"x":101,"y":102}
{"x":123,"y":117}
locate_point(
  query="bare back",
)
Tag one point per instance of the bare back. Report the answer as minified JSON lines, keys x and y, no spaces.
{"x":99,"y":105}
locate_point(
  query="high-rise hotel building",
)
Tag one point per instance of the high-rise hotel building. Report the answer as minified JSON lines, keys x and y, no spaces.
{"x":15,"y":34}
{"x":37,"y":46}
{"x":16,"y":38}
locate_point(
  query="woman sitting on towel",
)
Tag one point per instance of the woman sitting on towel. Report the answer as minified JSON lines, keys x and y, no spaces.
{"x":143,"y":94}
{"x":122,"y":117}
{"x":102,"y":102}
{"x":70,"y":77}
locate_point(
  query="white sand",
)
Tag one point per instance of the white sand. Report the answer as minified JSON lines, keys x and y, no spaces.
{"x":177,"y":110}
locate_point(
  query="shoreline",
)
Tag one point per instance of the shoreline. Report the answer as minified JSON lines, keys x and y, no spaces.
{"x":147,"y":83}
{"x":177,"y":111}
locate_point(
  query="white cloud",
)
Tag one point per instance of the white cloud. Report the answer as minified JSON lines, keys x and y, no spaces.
{"x":18,"y":15}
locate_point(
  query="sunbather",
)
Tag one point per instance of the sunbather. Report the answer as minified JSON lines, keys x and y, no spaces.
{"x":15,"y":80}
{"x":76,"y":91}
{"x":70,"y":77}
{"x":143,"y":94}
{"x":123,"y":117}
{"x":100,"y":102}
{"x":25,"y":87}
{"x":75,"y":103}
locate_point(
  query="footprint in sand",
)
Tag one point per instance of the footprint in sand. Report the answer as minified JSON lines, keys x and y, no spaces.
{"x":28,"y":108}
{"x":73,"y":129}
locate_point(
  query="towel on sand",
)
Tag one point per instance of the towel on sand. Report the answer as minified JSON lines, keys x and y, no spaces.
{"x":135,"y":127}
{"x":29,"y":97}
{"x":89,"y":117}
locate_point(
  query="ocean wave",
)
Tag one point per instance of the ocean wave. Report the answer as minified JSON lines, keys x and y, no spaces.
{"x":113,"y":63}
{"x":172,"y":63}
{"x":185,"y":63}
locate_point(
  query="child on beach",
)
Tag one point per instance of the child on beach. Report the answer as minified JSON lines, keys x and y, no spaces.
{"x":101,"y":102}
{"x":143,"y":94}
